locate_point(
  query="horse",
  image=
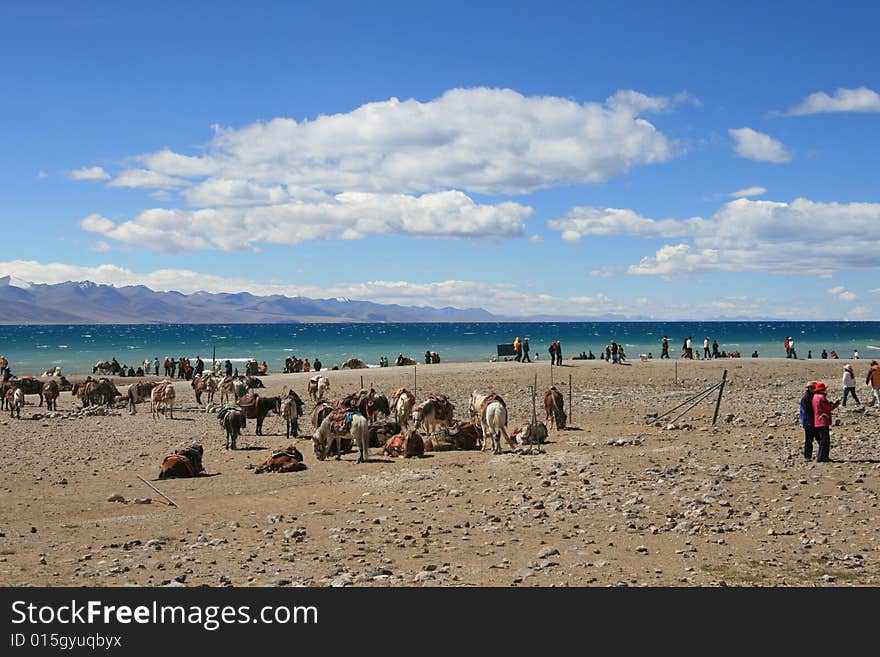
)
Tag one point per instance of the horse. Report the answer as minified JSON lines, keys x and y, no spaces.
{"x":91,"y":392}
{"x":319,"y":412}
{"x":464,"y":436}
{"x":256,"y":407}
{"x":138,"y":392}
{"x":554,"y":408}
{"x":233,"y":421}
{"x":318,"y":385}
{"x":28,"y":385}
{"x":402,"y":402}
{"x":162,"y":396}
{"x":289,"y":459}
{"x":382,"y":432}
{"x":408,"y":444}
{"x":291,"y":411}
{"x":183,"y":463}
{"x":15,"y":400}
{"x":491,"y":411}
{"x":50,"y":394}
{"x":234,"y":388}
{"x":331,"y":430}
{"x":204,"y":383}
{"x":433,"y":413}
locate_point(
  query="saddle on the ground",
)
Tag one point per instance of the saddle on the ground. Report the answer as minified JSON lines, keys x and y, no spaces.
{"x":290,"y":451}
{"x":405,"y":445}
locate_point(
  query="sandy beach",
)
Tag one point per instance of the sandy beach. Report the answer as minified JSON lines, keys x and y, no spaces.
{"x":614,"y":500}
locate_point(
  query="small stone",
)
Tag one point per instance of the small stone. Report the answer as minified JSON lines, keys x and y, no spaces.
{"x":547,"y":552}
{"x":116,"y":497}
{"x":143,"y":500}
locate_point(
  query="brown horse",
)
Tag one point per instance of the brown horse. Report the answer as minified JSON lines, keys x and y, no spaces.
{"x":204,"y":383}
{"x":255,"y":407}
{"x":50,"y":395}
{"x":554,"y":409}
{"x":288,"y":459}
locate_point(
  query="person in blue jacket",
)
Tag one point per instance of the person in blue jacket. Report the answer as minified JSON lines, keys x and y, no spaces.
{"x":807,"y":421}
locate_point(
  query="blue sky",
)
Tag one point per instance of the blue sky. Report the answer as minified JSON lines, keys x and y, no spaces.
{"x":555,"y":158}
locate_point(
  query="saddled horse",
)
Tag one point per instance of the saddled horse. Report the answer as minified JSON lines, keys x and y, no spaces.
{"x":232,"y":389}
{"x":317,"y":387}
{"x":162,"y":398}
{"x":491,"y":411}
{"x":139,"y":392}
{"x":288,"y":459}
{"x":256,"y":407}
{"x":27,"y":384}
{"x":183,"y":463}
{"x":433,"y":413}
{"x":205,"y":383}
{"x":338,"y":425}
{"x":106,"y":367}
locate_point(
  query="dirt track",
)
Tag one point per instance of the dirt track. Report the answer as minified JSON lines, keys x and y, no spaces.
{"x":615,"y":501}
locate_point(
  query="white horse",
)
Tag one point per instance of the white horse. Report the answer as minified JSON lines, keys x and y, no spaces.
{"x":318,"y":385}
{"x":402,"y":408}
{"x":162,"y":397}
{"x":493,"y":423}
{"x":17,"y":403}
{"x":359,"y":431}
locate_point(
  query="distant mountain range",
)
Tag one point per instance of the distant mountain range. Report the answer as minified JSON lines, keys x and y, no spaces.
{"x":85,"y":302}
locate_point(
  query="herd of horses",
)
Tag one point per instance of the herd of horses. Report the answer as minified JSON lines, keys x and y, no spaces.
{"x":362,"y":419}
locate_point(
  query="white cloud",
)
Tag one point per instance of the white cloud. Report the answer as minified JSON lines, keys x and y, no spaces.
{"x":350,"y":215}
{"x":42,"y":175}
{"x":747,"y":192}
{"x":88,"y":173}
{"x":802,"y":236}
{"x":754,"y":145}
{"x":144,"y":178}
{"x":489,"y":141}
{"x":101,"y":246}
{"x":861,"y":99}
{"x":842,"y":294}
{"x":585,"y":220}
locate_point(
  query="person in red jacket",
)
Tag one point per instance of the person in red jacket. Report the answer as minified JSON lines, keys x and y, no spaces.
{"x":822,"y":410}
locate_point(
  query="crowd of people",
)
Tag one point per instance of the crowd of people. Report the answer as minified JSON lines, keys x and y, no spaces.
{"x":293,"y":365}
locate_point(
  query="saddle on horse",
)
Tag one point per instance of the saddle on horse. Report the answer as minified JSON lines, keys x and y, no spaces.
{"x":340,"y":420}
{"x":229,"y":406}
{"x":443,"y":408}
{"x":490,"y":398}
{"x":249,"y":401}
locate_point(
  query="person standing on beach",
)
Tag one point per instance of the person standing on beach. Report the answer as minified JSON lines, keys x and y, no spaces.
{"x":517,"y":349}
{"x":614,"y":352}
{"x":171,"y":367}
{"x":688,"y":347}
{"x":787,"y":348}
{"x":525,"y":351}
{"x":3,"y":364}
{"x":317,"y":364}
{"x":228,"y":367}
{"x":552,"y":351}
{"x":849,"y":385}
{"x":706,"y":352}
{"x":807,"y":421}
{"x":156,"y":364}
{"x":558,"y":353}
{"x":791,"y":348}
{"x":200,"y":365}
{"x":715,"y":353}
{"x":873,"y":380}
{"x":822,"y":410}
{"x":824,"y":354}
{"x":664,"y":350}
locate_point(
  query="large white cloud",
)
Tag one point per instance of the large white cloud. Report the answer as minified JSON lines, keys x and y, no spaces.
{"x":402,"y":167}
{"x":489,"y":141}
{"x":350,"y":215}
{"x":802,"y":236}
{"x":754,"y":145}
{"x":861,"y":99}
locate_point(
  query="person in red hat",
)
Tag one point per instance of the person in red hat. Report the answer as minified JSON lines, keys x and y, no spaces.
{"x":822,"y":410}
{"x":807,"y":420}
